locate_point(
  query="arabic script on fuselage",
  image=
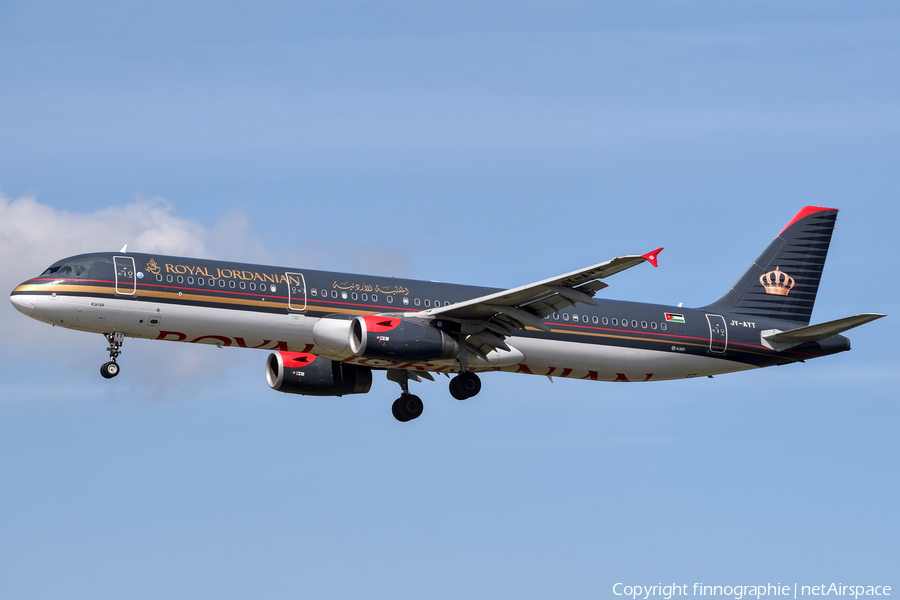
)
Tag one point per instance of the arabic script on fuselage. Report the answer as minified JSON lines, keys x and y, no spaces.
{"x":365,"y":287}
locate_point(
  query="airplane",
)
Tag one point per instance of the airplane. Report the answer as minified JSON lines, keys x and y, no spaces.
{"x":329,"y":331}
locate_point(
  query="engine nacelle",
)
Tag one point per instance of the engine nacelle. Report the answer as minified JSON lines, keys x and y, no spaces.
{"x":311,"y":375}
{"x":390,"y":338}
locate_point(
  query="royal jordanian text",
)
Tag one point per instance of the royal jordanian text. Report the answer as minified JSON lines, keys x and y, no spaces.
{"x":229,"y":274}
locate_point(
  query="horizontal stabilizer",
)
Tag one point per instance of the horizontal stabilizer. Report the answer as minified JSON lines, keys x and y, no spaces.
{"x":778,"y":340}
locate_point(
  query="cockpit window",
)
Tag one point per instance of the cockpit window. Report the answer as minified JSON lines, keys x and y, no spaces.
{"x":73,"y":270}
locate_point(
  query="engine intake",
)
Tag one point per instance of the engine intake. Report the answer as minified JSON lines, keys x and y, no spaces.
{"x":391,"y":338}
{"x":311,"y":375}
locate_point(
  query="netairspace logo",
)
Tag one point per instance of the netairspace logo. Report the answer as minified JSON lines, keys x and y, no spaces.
{"x":666,"y":592}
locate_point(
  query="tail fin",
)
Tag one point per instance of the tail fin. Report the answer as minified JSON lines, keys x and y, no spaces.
{"x":782,"y":283}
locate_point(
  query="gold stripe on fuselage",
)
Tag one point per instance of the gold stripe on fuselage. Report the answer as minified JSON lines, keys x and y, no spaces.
{"x":213,"y":298}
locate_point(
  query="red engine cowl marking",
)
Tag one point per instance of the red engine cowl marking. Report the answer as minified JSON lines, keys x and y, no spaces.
{"x":297,"y":359}
{"x":375,"y":324}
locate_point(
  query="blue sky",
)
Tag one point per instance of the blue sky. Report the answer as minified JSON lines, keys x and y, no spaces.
{"x":491,"y":143}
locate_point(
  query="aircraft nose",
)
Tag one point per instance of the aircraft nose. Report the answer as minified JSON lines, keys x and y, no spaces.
{"x":23,"y":304}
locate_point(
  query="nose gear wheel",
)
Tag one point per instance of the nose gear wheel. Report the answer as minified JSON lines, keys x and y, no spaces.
{"x":110,"y":369}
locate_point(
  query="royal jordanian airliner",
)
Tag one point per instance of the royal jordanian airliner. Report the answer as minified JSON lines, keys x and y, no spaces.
{"x":329,"y":331}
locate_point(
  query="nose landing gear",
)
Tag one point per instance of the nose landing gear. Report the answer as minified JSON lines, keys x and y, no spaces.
{"x":110,"y":369}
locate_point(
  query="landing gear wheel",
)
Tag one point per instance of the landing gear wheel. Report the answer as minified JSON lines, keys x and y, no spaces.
{"x":455,"y":391}
{"x":109,"y":370}
{"x":407,"y":407}
{"x":465,"y":385}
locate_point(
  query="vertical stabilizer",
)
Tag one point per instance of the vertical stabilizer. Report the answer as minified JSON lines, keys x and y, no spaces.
{"x":782,"y":283}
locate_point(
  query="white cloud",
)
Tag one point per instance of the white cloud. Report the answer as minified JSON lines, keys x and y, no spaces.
{"x":34,"y":235}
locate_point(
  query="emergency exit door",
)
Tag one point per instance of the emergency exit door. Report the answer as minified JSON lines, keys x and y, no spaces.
{"x":718,"y":334}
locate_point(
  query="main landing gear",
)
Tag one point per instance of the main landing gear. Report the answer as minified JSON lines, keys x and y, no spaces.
{"x":408,"y":406}
{"x":111,"y":369}
{"x":465,"y":385}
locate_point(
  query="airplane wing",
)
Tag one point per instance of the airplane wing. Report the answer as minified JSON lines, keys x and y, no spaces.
{"x":488,"y":319}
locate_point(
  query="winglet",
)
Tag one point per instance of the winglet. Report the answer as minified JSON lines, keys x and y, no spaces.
{"x":652,"y":256}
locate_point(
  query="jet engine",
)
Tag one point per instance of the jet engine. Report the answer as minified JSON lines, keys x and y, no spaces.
{"x":311,"y":375}
{"x":391,"y":338}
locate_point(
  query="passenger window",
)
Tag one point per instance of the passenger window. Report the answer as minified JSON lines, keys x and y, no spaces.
{"x":446,"y":303}
{"x":594,"y":320}
{"x":221,"y":283}
{"x":662,"y":326}
{"x":584,"y":318}
{"x":405,"y":301}
{"x":653,"y":325}
{"x":390,"y":299}
{"x":365,"y":297}
{"x":169,"y":278}
{"x":190,"y":280}
{"x":253,"y":287}
{"x":324,"y":293}
{"x":427,"y":302}
{"x":180,"y":279}
{"x":644,"y":324}
{"x":605,"y":321}
{"x":355,"y":296}
{"x":575,"y":318}
{"x":565,"y":316}
{"x":556,"y":316}
{"x":615,"y":321}
{"x":334,"y":293}
{"x":374,"y":297}
{"x":313,"y":291}
{"x":343,"y":295}
{"x":633,"y":324}
{"x":417,"y":302}
{"x":159,"y":278}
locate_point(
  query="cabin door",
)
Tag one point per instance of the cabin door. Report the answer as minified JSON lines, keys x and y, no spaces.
{"x":718,"y":334}
{"x":296,"y":285}
{"x":125,"y":278}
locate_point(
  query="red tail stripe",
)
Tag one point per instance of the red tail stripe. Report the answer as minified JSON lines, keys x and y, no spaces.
{"x":804,"y":212}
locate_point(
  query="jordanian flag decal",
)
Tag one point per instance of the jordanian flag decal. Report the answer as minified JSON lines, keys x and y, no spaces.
{"x":673,"y":318}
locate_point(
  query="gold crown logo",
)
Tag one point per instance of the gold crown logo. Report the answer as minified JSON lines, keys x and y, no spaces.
{"x":777,"y":282}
